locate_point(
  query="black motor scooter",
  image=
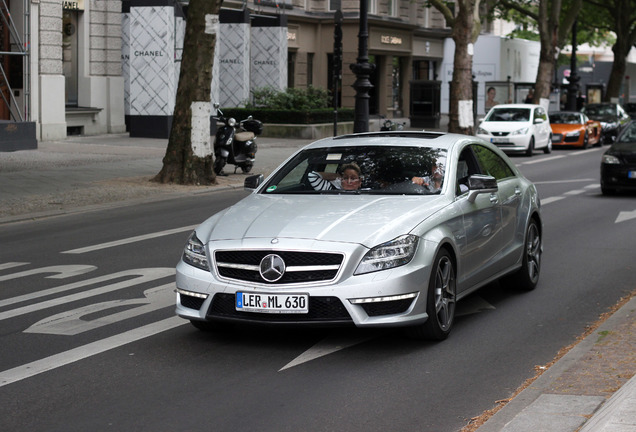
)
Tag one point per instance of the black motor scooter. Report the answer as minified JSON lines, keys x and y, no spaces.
{"x":235,"y":143}
{"x":390,"y":125}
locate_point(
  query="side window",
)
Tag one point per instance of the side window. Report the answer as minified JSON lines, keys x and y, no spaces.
{"x":466,"y":166}
{"x":492,"y":164}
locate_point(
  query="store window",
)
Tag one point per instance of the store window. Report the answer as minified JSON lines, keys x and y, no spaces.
{"x":310,"y":69}
{"x":394,"y":8}
{"x":291,"y":69}
{"x":70,"y":55}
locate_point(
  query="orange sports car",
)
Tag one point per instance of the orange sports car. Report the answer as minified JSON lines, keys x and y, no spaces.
{"x":574,"y":129}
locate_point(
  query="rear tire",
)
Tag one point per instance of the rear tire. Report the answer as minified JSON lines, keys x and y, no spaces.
{"x":440,"y":301}
{"x":527,"y":277}
{"x":548,"y":148}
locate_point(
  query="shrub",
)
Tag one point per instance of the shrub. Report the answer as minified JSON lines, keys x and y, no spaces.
{"x":300,"y":99}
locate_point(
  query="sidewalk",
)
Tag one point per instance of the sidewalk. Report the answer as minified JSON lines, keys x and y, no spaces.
{"x":590,"y":388}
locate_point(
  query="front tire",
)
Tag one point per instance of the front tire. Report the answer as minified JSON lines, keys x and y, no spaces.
{"x":219,"y":163}
{"x":530,"y":149}
{"x":440,"y":301}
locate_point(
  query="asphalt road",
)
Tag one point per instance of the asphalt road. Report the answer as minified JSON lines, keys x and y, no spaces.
{"x":89,"y":340}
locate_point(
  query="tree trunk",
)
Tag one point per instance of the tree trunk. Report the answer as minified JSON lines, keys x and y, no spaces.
{"x":461,"y":96}
{"x":188,"y":158}
{"x":623,"y":15}
{"x":548,"y":23}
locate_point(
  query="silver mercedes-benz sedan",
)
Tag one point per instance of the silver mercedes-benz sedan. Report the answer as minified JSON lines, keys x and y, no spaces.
{"x":374,"y":230}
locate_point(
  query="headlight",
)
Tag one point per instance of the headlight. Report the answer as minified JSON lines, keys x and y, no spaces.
{"x":231,"y":122}
{"x":611,"y":160}
{"x":573,"y":134}
{"x":482,"y":131}
{"x":523,"y":131}
{"x":394,"y":253}
{"x":194,"y":253}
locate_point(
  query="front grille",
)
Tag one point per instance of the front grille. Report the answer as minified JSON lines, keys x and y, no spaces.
{"x":300,"y":267}
{"x":387,"y":307}
{"x":191,"y":302}
{"x":500,"y":134}
{"x":571,"y":139}
{"x":321,"y":309}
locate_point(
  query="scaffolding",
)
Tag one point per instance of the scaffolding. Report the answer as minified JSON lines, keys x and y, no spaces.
{"x":19,"y":47}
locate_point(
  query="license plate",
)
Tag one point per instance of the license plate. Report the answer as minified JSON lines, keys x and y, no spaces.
{"x":272,"y":303}
{"x":631,"y":174}
{"x":499,"y":140}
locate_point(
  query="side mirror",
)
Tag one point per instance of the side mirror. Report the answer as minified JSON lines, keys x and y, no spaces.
{"x":480,"y":184}
{"x":253,"y":182}
{"x":216,"y":105}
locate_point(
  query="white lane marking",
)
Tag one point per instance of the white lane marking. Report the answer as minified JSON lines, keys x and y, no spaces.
{"x":625,"y":216}
{"x":62,"y":272}
{"x":575,"y":192}
{"x":565,"y":181}
{"x":62,"y":359}
{"x":329,"y":345}
{"x":73,"y":322}
{"x":9,"y":265}
{"x":130,"y":240}
{"x":547,"y":159}
{"x":142,"y":276}
{"x":549,"y":200}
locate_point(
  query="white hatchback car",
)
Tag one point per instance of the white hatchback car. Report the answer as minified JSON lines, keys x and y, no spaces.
{"x":517,"y":128}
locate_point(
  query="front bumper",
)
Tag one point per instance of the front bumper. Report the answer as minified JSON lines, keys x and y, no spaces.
{"x":513,"y":143}
{"x":387,"y":298}
{"x":615,"y":176}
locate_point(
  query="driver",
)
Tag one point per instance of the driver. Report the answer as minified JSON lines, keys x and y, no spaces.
{"x":349,"y":179}
{"x":433,"y":182}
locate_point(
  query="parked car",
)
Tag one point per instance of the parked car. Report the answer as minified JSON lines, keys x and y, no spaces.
{"x":618,"y":166}
{"x":612,"y":117}
{"x":426,"y":219}
{"x":517,"y":128}
{"x":630,"y":109}
{"x":574,"y":129}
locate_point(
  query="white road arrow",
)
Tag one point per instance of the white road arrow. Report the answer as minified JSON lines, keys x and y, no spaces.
{"x":625,"y":216}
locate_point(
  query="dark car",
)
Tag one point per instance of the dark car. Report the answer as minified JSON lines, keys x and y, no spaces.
{"x":618,"y":167}
{"x":612,"y":116}
{"x":630,"y":109}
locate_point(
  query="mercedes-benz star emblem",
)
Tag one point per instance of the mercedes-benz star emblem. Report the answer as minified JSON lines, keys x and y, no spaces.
{"x":272,"y":268}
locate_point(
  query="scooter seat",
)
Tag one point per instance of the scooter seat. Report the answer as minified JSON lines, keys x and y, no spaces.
{"x":244,"y":136}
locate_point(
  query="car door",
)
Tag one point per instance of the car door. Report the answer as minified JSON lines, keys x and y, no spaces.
{"x":542,"y":127}
{"x":482,"y":218}
{"x":510,"y":191}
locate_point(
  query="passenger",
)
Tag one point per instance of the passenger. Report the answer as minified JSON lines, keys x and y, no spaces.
{"x":349,"y":180}
{"x":432,"y":182}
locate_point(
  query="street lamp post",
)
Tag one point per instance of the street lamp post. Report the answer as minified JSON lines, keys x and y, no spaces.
{"x":362,"y":70}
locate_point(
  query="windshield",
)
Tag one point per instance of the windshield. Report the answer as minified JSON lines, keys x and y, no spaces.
{"x":594,"y":110}
{"x":362,"y":170}
{"x":565,"y":118}
{"x":509,"y":115}
{"x":629,"y":135}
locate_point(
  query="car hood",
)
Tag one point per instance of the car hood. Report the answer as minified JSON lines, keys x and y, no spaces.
{"x":623,"y":149}
{"x":362,"y":219}
{"x":565,"y":128}
{"x":504,"y":126}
